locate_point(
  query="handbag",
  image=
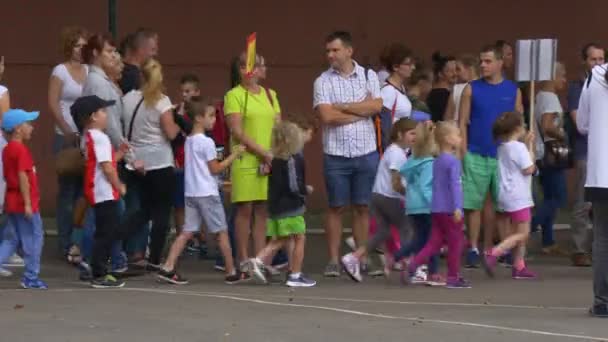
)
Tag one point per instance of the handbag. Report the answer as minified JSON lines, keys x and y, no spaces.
{"x":69,"y":162}
{"x":558,"y":153}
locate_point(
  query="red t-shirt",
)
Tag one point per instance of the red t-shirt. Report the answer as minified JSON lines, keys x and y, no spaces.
{"x":16,"y":158}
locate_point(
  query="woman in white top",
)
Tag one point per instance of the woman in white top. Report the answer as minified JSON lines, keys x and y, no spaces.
{"x":467,"y":70}
{"x":398,"y":60}
{"x":548,"y":114}
{"x":65,"y":86}
{"x":148,"y":123}
{"x":591,"y":120}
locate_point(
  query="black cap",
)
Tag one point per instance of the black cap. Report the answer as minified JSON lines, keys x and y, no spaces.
{"x":84,"y":106}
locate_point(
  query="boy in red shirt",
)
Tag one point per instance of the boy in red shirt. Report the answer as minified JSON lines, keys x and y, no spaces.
{"x":22,"y":198}
{"x":102,"y":186}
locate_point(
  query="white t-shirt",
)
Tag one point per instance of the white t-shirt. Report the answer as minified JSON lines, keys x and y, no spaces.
{"x":98,"y":149}
{"x":199,"y":150}
{"x":546,"y":102}
{"x":393,"y":97}
{"x":515,"y":188}
{"x":457,"y":95}
{"x":382,"y":75}
{"x":392,"y":160}
{"x":148,"y":140}
{"x":70,"y":91}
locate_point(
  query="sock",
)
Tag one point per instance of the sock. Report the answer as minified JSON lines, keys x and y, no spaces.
{"x":259,"y":261}
{"x":519,"y":264}
{"x":295,"y":275}
{"x":496,"y":252}
{"x":474,"y":249}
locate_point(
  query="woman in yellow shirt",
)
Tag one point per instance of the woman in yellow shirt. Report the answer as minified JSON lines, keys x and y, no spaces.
{"x":252,"y":111}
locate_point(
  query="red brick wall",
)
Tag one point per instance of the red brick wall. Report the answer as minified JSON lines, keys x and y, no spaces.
{"x":202,"y":36}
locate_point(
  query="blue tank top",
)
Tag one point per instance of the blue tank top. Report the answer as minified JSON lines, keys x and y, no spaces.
{"x":488,"y":102}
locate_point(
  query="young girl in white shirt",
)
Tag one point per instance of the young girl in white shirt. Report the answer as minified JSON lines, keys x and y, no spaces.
{"x":515,"y":168}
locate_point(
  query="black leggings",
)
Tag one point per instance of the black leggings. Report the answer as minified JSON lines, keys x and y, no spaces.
{"x":156,"y":189}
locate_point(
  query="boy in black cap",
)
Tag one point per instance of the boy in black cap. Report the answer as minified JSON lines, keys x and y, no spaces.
{"x":102,"y":187}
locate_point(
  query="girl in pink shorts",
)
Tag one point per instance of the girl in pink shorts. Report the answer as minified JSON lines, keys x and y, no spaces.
{"x":515,"y":170}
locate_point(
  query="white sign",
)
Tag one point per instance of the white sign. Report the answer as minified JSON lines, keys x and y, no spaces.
{"x":535,"y":59}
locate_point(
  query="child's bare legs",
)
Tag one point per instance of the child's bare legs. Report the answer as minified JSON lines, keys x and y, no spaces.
{"x":176,"y":250}
{"x":259,"y":226}
{"x":519,"y":237}
{"x":223,"y":242}
{"x":178,"y":217}
{"x":298,"y":241}
{"x":273,"y":246}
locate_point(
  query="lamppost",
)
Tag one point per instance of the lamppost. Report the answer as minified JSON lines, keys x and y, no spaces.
{"x":112,"y":17}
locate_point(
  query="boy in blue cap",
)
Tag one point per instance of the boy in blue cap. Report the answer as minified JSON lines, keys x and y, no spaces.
{"x":22,"y":197}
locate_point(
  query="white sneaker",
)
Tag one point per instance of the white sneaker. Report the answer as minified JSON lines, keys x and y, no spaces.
{"x":15,"y":261}
{"x":257,"y":270}
{"x":352,"y":267}
{"x":420,"y":277}
{"x":5,"y":273}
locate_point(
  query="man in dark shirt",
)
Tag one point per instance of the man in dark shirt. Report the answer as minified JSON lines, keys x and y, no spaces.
{"x":592,"y":55}
{"x":138,"y":47}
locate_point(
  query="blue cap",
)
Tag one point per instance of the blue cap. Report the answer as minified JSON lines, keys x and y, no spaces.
{"x":15,"y":117}
{"x":420,"y":116}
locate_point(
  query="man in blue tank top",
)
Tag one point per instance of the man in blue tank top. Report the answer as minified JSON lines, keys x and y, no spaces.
{"x":483,"y":101}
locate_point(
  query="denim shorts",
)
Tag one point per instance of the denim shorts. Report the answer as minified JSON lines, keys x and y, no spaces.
{"x":349,"y":181}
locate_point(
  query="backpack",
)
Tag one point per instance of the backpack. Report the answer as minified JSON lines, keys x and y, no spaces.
{"x":383,"y":122}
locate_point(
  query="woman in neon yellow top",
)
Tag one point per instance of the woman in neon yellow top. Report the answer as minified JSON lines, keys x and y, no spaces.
{"x":252,"y":111}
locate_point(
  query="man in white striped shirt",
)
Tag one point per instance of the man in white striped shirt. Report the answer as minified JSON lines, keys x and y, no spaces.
{"x":346,"y":97}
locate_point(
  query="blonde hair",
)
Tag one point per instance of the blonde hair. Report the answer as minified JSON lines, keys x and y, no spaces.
{"x":443,"y":129}
{"x":152,"y":85}
{"x":287,"y":140}
{"x":425,"y":145}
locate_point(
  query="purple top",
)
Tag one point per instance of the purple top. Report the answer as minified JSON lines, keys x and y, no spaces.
{"x":447,"y":188}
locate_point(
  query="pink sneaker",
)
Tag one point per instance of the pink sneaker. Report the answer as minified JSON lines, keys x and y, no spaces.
{"x":523,"y":274}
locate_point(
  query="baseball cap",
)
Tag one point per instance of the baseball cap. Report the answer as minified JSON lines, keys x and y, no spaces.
{"x":15,"y":117}
{"x":84,"y":106}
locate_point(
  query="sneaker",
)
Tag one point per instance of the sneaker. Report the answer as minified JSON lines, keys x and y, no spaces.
{"x":472,"y":259}
{"x":280,"y":266}
{"x":417,"y":279}
{"x":457,"y":283}
{"x":257,"y":270}
{"x":301,"y":281}
{"x":14,"y":261}
{"x":35,"y":284}
{"x":153,"y":267}
{"x":107,"y":282}
{"x":523,"y":274}
{"x":120,"y":269}
{"x":377,"y":273}
{"x":172,"y":277}
{"x":219,"y":267}
{"x":237,"y":278}
{"x":599,"y":310}
{"x":436,"y":280}
{"x":86,"y":273}
{"x":138,"y":263}
{"x":352,"y":267}
{"x":193,"y":249}
{"x":332,"y":270}
{"x":5,"y":273}
{"x":489,"y":264}
{"x":581,"y":260}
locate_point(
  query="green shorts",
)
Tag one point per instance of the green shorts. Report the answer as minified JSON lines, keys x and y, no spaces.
{"x":479,"y":176}
{"x":287,"y":226}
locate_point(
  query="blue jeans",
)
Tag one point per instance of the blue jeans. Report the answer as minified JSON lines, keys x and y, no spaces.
{"x":70,"y":189}
{"x":138,"y":242}
{"x":349,"y":181}
{"x":422,"y":232}
{"x":29,"y":236}
{"x":553,"y":183}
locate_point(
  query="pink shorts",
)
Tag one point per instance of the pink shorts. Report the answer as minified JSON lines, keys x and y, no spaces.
{"x":520,"y":216}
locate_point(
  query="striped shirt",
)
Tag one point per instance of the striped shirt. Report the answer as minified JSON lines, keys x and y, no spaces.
{"x":358,"y":138}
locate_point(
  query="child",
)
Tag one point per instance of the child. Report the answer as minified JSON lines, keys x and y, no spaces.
{"x":515,"y":169}
{"x":189,"y":87}
{"x":202,"y":198}
{"x":387,"y":196}
{"x":418,"y":173}
{"x":102,"y":186}
{"x":286,"y":203}
{"x":446,"y":206}
{"x":21,"y":205}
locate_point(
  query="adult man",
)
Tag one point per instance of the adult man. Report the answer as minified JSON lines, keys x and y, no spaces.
{"x":592,"y":55}
{"x":483,"y":101}
{"x":138,"y":46}
{"x":346,"y":97}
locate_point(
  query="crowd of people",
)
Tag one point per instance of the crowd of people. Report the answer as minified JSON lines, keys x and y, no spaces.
{"x":418,"y":155}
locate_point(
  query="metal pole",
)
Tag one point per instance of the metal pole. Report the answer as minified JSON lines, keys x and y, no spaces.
{"x":112,"y":17}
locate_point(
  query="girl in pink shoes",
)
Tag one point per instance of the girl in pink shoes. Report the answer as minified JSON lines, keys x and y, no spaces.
{"x":515,"y":170}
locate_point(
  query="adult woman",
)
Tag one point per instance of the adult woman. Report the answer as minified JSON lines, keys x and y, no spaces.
{"x":592,"y":121}
{"x":149,"y":126}
{"x":548,"y":114}
{"x":251,"y":111}
{"x":467,"y":70}
{"x":444,"y":71}
{"x":65,"y":86}
{"x":418,"y":87}
{"x":100,"y":54}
